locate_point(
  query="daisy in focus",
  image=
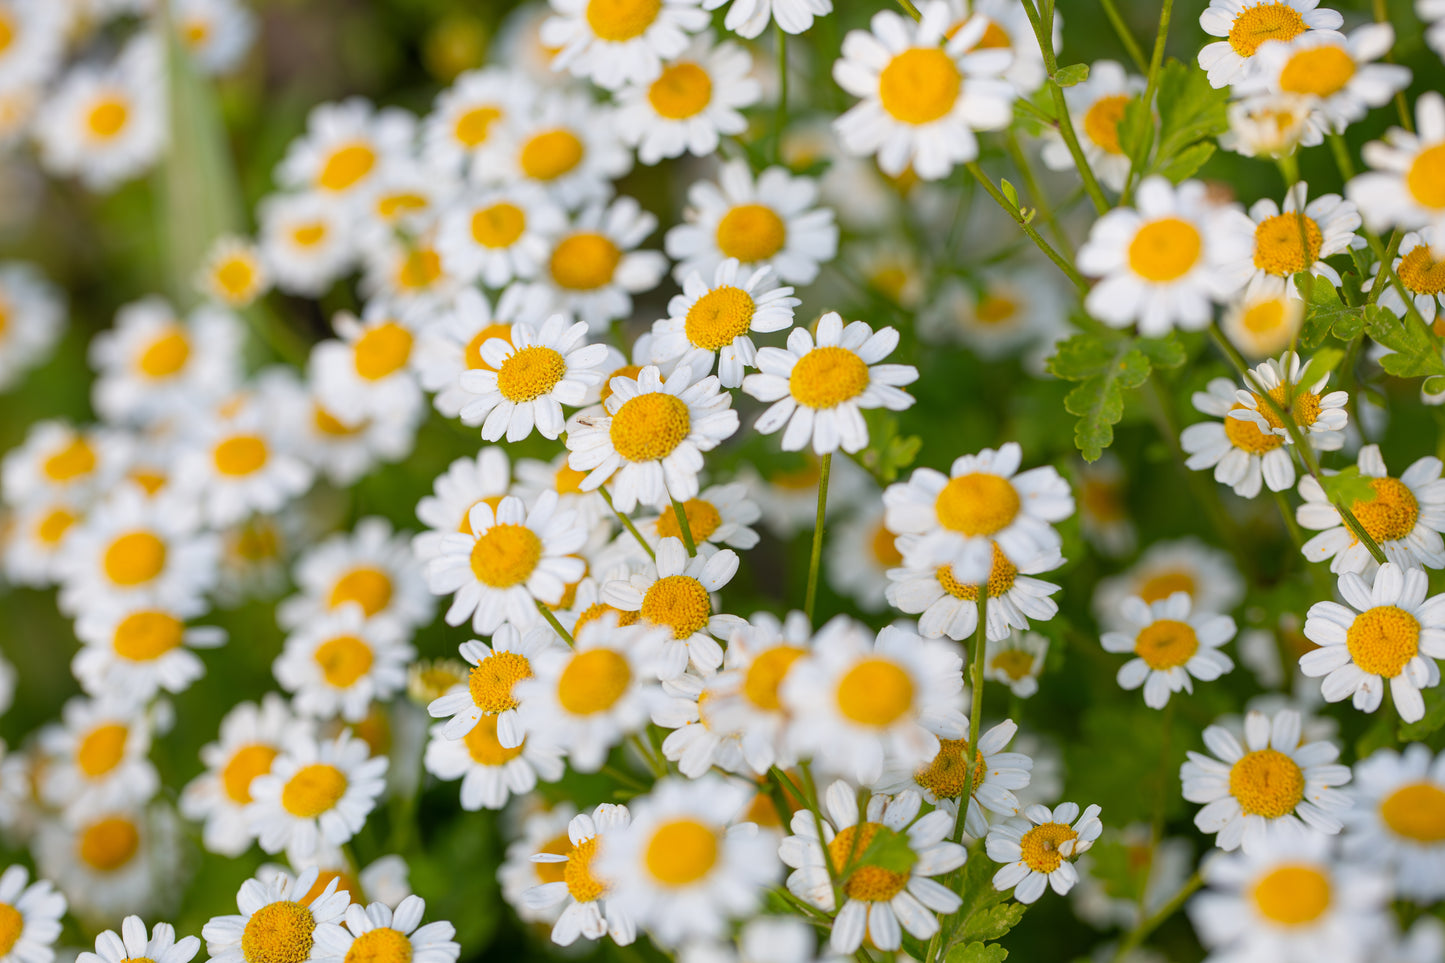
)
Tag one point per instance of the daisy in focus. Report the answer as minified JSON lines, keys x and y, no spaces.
{"x":717,"y":319}
{"x":943,"y":782}
{"x":1421,"y":271}
{"x":947,"y":606}
{"x":379,"y":932}
{"x":1243,"y":456}
{"x":1298,"y":238}
{"x":490,"y":686}
{"x":526,"y":379}
{"x":278,"y":913}
{"x":1319,"y":416}
{"x":1404,"y":515}
{"x":1246,"y":25}
{"x":491,"y":773}
{"x":317,"y":793}
{"x":1171,"y":645}
{"x":1038,"y":849}
{"x":34,"y":915}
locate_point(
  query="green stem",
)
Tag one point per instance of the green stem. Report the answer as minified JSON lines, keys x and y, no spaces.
{"x":1126,"y":36}
{"x":1387,"y":265}
{"x":813,"y":804}
{"x":1040,"y":199}
{"x":1141,"y":932}
{"x":552,"y":618}
{"x":1161,"y":800}
{"x":815,"y":563}
{"x":1063,"y":264}
{"x":1287,"y":514}
{"x":780,"y":121}
{"x":627,"y":524}
{"x":681,"y":513}
{"x":1381,"y":12}
{"x":910,"y":9}
{"x":1156,"y":60}
{"x":975,"y":713}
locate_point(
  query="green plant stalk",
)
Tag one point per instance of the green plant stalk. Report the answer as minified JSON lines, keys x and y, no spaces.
{"x":813,"y":804}
{"x":1059,"y":260}
{"x":1141,"y":932}
{"x":552,"y":618}
{"x":1380,"y":10}
{"x":1151,"y":87}
{"x":1126,"y":36}
{"x":627,"y":523}
{"x":1161,"y":799}
{"x":815,"y":562}
{"x":1287,"y":513}
{"x":1040,"y":199}
{"x":910,"y":9}
{"x":975,"y":713}
{"x":780,"y":119}
{"x":681,"y":514}
{"x":1378,"y":284}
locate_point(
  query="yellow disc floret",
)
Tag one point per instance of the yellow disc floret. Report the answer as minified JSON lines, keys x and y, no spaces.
{"x":506,"y":555}
{"x":1421,"y":271}
{"x":621,"y":20}
{"x":719,"y":317}
{"x":828,"y":376}
{"x":165,"y":355}
{"x":280,"y":932}
{"x":485,"y":748}
{"x":109,"y":843}
{"x":648,"y":427}
{"x":1041,"y":846}
{"x":346,"y":166}
{"x":530,"y":373}
{"x":368,"y":587}
{"x":584,"y":261}
{"x":919,"y":85}
{"x":684,"y":90}
{"x":12,"y":924}
{"x":702,"y":516}
{"x":593,"y":681}
{"x":946,"y":774}
{"x":1266,"y":783}
{"x":134,"y":559}
{"x":382,"y":350}
{"x":766,"y":674}
{"x":380,"y":945}
{"x":102,"y":749}
{"x":875,"y":692}
{"x":241,"y":455}
{"x":344,"y":660}
{"x":1317,"y":71}
{"x":679,"y":602}
{"x":1166,"y":644}
{"x":1101,"y":121}
{"x":243,"y":767}
{"x":871,"y":884}
{"x":1425,"y":180}
{"x":1165,"y":250}
{"x":1287,"y":243}
{"x":1391,"y":513}
{"x":498,"y":225}
{"x":1264,"y":21}
{"x":751,"y":232}
{"x":550,"y":154}
{"x":1292,"y":895}
{"x":1416,"y":811}
{"x":1001,"y":578}
{"x":490,"y":681}
{"x":1383,"y":640}
{"x":681,"y":852}
{"x":977,"y":504}
{"x":581,"y":884}
{"x":313,"y":790}
{"x":146,"y":635}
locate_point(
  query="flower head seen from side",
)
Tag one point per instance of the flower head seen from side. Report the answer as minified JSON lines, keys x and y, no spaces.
{"x":1038,"y":849}
{"x":280,"y":920}
{"x":1398,"y":820}
{"x":1405,"y":516}
{"x":316,"y":793}
{"x":819,"y":390}
{"x":717,"y":319}
{"x":1245,"y":25}
{"x":490,"y":772}
{"x":1405,"y":186}
{"x":1386,"y":632}
{"x":574,"y":888}
{"x":131,"y":943}
{"x":1262,"y":324}
{"x":1171,"y":645}
{"x":1270,"y":125}
{"x":30,"y":916}
{"x":379,"y":933}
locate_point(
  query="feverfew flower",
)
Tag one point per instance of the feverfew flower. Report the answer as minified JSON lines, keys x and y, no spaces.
{"x":1398,"y":820}
{"x":1320,"y":417}
{"x":594,"y":266}
{"x":749,"y":18}
{"x":490,"y":772}
{"x":131,"y":944}
{"x":346,"y":146}
{"x":1290,"y":240}
{"x":686,"y":108}
{"x":386,"y":934}
{"x":570,"y":891}
{"x":615,"y":42}
{"x":1242,"y":456}
{"x":317,"y":793}
{"x":134,"y":651}
{"x":995,"y":775}
{"x":232,"y":272}
{"x":1017,"y":661}
{"x":1096,"y":107}
{"x":1246,"y":25}
{"x":278,"y":912}
{"x":342,"y":662}
{"x":1404,"y":516}
{"x":717,"y":319}
{"x":1404,"y":188}
{"x":948,"y":606}
{"x":1170,"y":645}
{"x":498,"y":236}
{"x":1039,"y":847}
{"x":490,"y":685}
{"x":1419,"y":268}
{"x":35,"y":912}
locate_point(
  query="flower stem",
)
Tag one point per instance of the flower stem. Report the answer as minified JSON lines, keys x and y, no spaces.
{"x":910,"y":9}
{"x":681,"y":513}
{"x":1156,"y":60}
{"x":1059,"y":260}
{"x":1141,"y":932}
{"x":627,"y":524}
{"x":975,"y":714}
{"x":816,"y":562}
{"x":780,"y":120}
{"x":552,"y":618}
{"x":1040,"y":199}
{"x":1126,"y":36}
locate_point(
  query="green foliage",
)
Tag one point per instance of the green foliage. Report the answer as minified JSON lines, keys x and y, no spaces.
{"x":1433,"y":720}
{"x":977,"y":953}
{"x":1071,"y":75}
{"x":888,"y":452}
{"x":1107,"y":363}
{"x":986,"y":914}
{"x":1349,"y":486}
{"x":1327,"y":314}
{"x":1189,"y":114}
{"x":888,"y":849}
{"x":1416,"y":349}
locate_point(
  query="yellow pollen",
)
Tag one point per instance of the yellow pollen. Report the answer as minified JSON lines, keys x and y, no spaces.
{"x":946,"y":774}
{"x":473,"y":354}
{"x":549,"y":155}
{"x":1101,"y":122}
{"x":751,"y":232}
{"x":418,"y":269}
{"x":1040,"y":846}
{"x":977,"y":504}
{"x":766,"y":674}
{"x":343,"y":660}
{"x":885,"y":547}
{"x":597,"y":610}
{"x":485,"y":748}
{"x":919,"y":85}
{"x":240,"y":455}
{"x":1319,"y":71}
{"x":54,"y":525}
{"x":1264,"y":21}
{"x":617,"y":21}
{"x":244,"y":766}
{"x":110,"y":843}
{"x":1304,"y":406}
{"x":1247,"y":436}
{"x":1014,"y":663}
{"x":1166,"y":644}
{"x":681,"y":852}
{"x":134,"y":559}
{"x":871,"y":884}
{"x":1164,"y":584}
{"x":346,"y":166}
{"x":828,"y":376}
{"x":368,"y":587}
{"x":584,"y":261}
{"x":236,"y":277}
{"x":1416,"y":811}
{"x":506,"y":555}
{"x":1001,"y":577}
{"x":1421,"y":272}
{"x":651,"y":426}
{"x":73,"y":461}
{"x":1425,"y":180}
{"x":473,"y":126}
{"x":1292,"y":895}
{"x":1266,"y":783}
{"x":1165,"y":250}
{"x":680,"y":602}
{"x":593,"y":681}
{"x":684,"y":90}
{"x":382,"y":350}
{"x":143,"y":636}
{"x":380,"y":945}
{"x":702,"y":520}
{"x":719,"y":317}
{"x":875,"y":692}
{"x":499,"y":225}
{"x":165,"y":355}
{"x":313,"y":790}
{"x":280,"y":932}
{"x":108,"y":117}
{"x":309,"y":234}
{"x":630,"y":371}
{"x":559,"y":845}
{"x":1391,"y":514}
{"x":1279,"y":244}
{"x":581,"y":884}
{"x":490,"y":683}
{"x":102,"y":749}
{"x":1383,"y":640}
{"x":12,"y":924}
{"x":530,"y":373}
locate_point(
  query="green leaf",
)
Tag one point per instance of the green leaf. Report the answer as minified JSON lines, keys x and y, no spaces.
{"x":1416,"y":352}
{"x":1321,"y":364}
{"x":1327,"y":314}
{"x":1349,"y":486}
{"x":1106,"y":363}
{"x":1009,"y":191}
{"x":994,"y":922}
{"x":1187,"y":162}
{"x":1071,"y":75}
{"x":1190,"y":110}
{"x":1433,"y":719}
{"x":888,"y":849}
{"x":1162,"y":352}
{"x":1136,"y":131}
{"x":977,"y":953}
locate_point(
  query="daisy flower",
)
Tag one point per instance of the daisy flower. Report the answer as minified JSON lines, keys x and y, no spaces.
{"x":366,"y":372}
{"x":649,"y":438}
{"x":59,"y":460}
{"x":37,"y":33}
{"x":1404,"y":516}
{"x":251,"y":737}
{"x":379,"y":933}
{"x":749,"y":18}
{"x":1421,"y":270}
{"x":1289,"y":241}
{"x":1017,"y":661}
{"x":35,"y":318}
{"x":697,"y":741}
{"x":1007,"y":27}
{"x":717,"y":319}
{"x":880,"y":901}
{"x":1334,"y":68}
{"x":684,"y":866}
{"x":771,"y":221}
{"x":743,"y":699}
{"x":279,"y":913}
{"x":1398,"y":820}
{"x":1389,"y":632}
{"x":451,"y":344}
{"x":490,"y":772}
{"x":924,"y":90}
{"x":342,"y":451}
{"x":371,"y":566}
{"x":1096,"y":107}
{"x":468,"y":114}
{"x":1204,"y":573}
{"x":96,"y":758}
{"x":500,"y":235}
{"x":405,"y":198}
{"x":217,"y":33}
{"x":696,"y":98}
{"x":564,"y":142}
{"x":1039,"y":847}
{"x":246,"y":462}
{"x":511,"y":559}
{"x":136,"y":651}
{"x":1162,"y":262}
{"x":32,"y":923}
{"x":720,"y":515}
{"x":1242,"y":456}
{"x":997,"y":314}
{"x":466,"y":482}
{"x":342,"y":662}
{"x":995,"y":775}
{"x":316,"y":793}
{"x":858,"y":702}
{"x":1274,"y":780}
{"x":1403,"y":187}
{"x":580,"y":900}
{"x":1246,"y":25}
{"x":1320,"y":417}
{"x":304,"y":242}
{"x":527,"y":378}
{"x":112,"y":863}
{"x":405,"y":271}
{"x":947,"y":606}
{"x":1264,"y":324}
{"x":617,"y":42}
{"x":594,"y":267}
{"x":820,"y":390}
{"x":1292,"y":901}
{"x":542,"y":832}
{"x":131,"y":943}
{"x":232,"y":272}
{"x":490,"y":685}
{"x":1170,"y":645}
{"x":345,"y":145}
{"x":535,"y":477}
{"x":35,"y":537}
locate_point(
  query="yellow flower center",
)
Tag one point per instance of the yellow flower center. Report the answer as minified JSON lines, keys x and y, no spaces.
{"x":1261,"y":22}
{"x":946,"y":774}
{"x":473,"y":126}
{"x":875,"y":692}
{"x":617,"y":21}
{"x":1266,"y":783}
{"x":382,"y":350}
{"x":584,"y":261}
{"x":465,"y":525}
{"x":418,"y":269}
{"x":719,"y":317}
{"x":871,"y":884}
{"x":54,"y":525}
{"x":1264,"y":317}
{"x":919,"y":85}
{"x":473,"y":351}
{"x":559,"y":845}
{"x":1001,"y":577}
{"x":506,"y":555}
{"x":994,"y":37}
{"x":392,"y":205}
{"x":110,"y":843}
{"x":681,"y":852}
{"x":143,"y":636}
{"x":702,"y":520}
{"x":278,"y":932}
{"x":1421,"y":272}
{"x":165,"y":355}
{"x":1382,"y":640}
{"x":1416,"y":811}
{"x":7,"y":37}
{"x":102,"y":749}
{"x":1101,"y":122}
{"x":1014,"y":663}
{"x":1165,"y":250}
{"x":766,"y":674}
{"x":329,"y":424}
{"x":630,"y":371}
{"x":485,"y":748}
{"x":490,"y":683}
{"x":236,"y":277}
{"x":751,"y":232}
{"x":1426,"y":177}
{"x":581,"y":884}
{"x":309,"y":234}
{"x":346,"y":166}
{"x":12,"y":923}
{"x":1164,"y":584}
{"x":1391,"y":514}
{"x":1247,"y":436}
{"x":368,"y":587}
{"x":828,"y":376}
{"x":240,"y":455}
{"x":1166,"y":644}
{"x":499,"y":225}
{"x":381,"y":945}
{"x":568,"y":481}
{"x":107,"y":117}
{"x":1279,"y":244}
{"x":72,"y":461}
{"x":343,"y":660}
{"x":243,"y":767}
{"x":680,"y":602}
{"x":550,"y":154}
{"x":977,"y":504}
{"x":593,"y":681}
{"x":1292,"y":895}
{"x":134,"y":559}
{"x":684,"y":90}
{"x":1040,"y":846}
{"x":597,"y":610}
{"x":650,"y":426}
{"x":530,"y":373}
{"x":1320,"y":71}
{"x":885,"y":547}
{"x":313,"y":790}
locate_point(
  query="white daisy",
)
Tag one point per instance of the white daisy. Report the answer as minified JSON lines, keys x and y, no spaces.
{"x":696,"y":741}
{"x":1404,"y":516}
{"x":749,"y":18}
{"x":616,"y":42}
{"x":1170,"y":645}
{"x":1096,"y":108}
{"x":1421,"y":270}
{"x":468,"y":114}
{"x":366,"y":372}
{"x":999,"y":313}
{"x":861,"y":550}
{"x":345,"y":145}
{"x":232,"y":272}
{"x":135,"y":651}
{"x":405,"y":270}
{"x":490,"y":772}
{"x":35,"y":538}
{"x":304,"y":241}
{"x":996,"y":774}
{"x":542,"y":832}
{"x":245,"y":462}
{"x":36,"y":34}
{"x":1017,"y":661}
{"x":96,"y":758}
{"x":31,"y":916}
{"x":500,"y":235}
{"x":383,"y":935}
{"x":113,"y":863}
{"x":342,"y":662}
{"x":1242,"y":456}
{"x":1403,"y":187}
{"x":1289,"y":241}
{"x":278,"y":915}
{"x":1320,"y":417}
{"x":577,"y":898}
{"x":717,"y":319}
{"x":1038,"y":849}
{"x":1246,"y":25}
{"x":696,"y":98}
{"x":1398,"y":820}
{"x":466,"y":482}
{"x":744,"y":698}
{"x":369,"y":565}
{"x":1204,"y":573}
{"x":1263,"y":324}
{"x":1271,"y":124}
{"x":947,"y":606}
{"x":35,"y":317}
{"x":59,"y":460}
{"x":720,"y":515}
{"x":217,"y":33}
{"x":131,"y":943}
{"x":490,"y":685}
{"x":451,"y":344}
{"x":316,"y":793}
{"x":594,"y":266}
{"x":565,"y":142}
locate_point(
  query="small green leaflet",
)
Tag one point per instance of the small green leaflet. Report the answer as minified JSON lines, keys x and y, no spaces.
{"x":1328,"y":315}
{"x":1190,"y":113}
{"x":1349,"y":486}
{"x":889,"y":850}
{"x":977,"y":953}
{"x":1106,"y":364}
{"x":1416,"y":350}
{"x":1071,"y":75}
